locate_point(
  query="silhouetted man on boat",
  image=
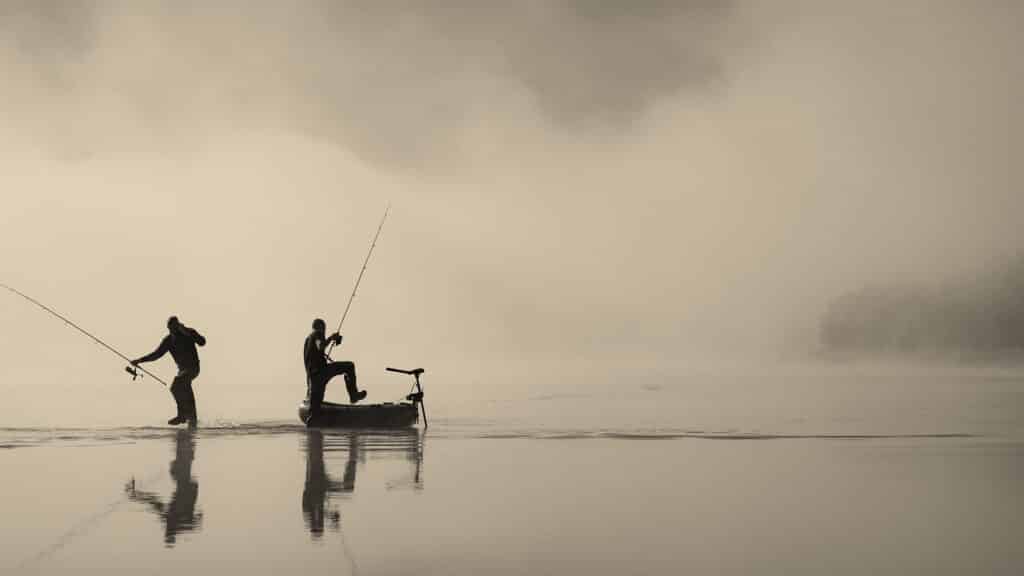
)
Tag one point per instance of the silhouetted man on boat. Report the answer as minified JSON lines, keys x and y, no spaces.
{"x":181,"y":342}
{"x":319,"y":371}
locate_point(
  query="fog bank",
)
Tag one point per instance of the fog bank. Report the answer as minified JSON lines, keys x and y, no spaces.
{"x":974,"y":318}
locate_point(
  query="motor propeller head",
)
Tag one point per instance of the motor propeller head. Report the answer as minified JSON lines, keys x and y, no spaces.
{"x":417,"y":396}
{"x":133,"y":371}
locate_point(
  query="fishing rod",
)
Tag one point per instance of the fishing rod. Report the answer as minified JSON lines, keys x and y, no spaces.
{"x":134,"y":371}
{"x":360,"y":277}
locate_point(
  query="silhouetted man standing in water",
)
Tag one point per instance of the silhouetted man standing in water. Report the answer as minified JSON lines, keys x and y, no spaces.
{"x":319,"y":372}
{"x":181,"y":342}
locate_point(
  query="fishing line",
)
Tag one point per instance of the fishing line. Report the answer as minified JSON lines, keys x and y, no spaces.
{"x":353,"y":567}
{"x":360,"y":277}
{"x":83,"y":526}
{"x":134,"y":371}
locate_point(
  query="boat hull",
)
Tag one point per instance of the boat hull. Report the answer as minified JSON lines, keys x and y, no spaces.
{"x":389,"y":415}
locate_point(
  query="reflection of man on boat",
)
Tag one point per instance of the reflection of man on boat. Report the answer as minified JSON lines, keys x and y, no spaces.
{"x":179,"y":514}
{"x":181,"y":342}
{"x":319,"y":371}
{"x":319,"y":486}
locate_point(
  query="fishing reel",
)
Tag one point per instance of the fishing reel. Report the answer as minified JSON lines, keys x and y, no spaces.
{"x":138,"y":372}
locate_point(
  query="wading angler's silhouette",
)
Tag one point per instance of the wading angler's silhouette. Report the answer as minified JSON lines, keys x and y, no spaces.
{"x":181,"y":342}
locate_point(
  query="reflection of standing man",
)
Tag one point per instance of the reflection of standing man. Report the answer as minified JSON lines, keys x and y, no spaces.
{"x":319,"y":486}
{"x":179,"y":514}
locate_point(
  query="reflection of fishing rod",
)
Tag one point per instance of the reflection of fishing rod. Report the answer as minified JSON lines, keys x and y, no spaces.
{"x":360,"y":277}
{"x":134,"y":371}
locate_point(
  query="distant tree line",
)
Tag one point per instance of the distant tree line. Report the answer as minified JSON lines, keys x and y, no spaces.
{"x":979,"y":317}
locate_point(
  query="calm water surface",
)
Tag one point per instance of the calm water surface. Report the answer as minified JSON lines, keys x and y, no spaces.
{"x":857,"y":483}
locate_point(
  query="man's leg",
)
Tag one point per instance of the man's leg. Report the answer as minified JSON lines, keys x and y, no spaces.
{"x":350,"y":382}
{"x":348,"y":369}
{"x":317,"y":387}
{"x":189,"y":397}
{"x":178,"y":391}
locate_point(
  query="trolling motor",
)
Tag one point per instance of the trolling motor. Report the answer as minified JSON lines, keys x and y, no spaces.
{"x":417,"y":396}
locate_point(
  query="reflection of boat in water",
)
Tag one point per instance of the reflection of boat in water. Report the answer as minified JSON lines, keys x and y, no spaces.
{"x":179,"y":513}
{"x":399,"y":415}
{"x":320,"y":485}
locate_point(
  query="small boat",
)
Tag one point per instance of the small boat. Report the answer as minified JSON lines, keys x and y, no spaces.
{"x":387,"y":415}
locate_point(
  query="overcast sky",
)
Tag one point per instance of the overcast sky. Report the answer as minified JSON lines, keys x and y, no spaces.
{"x":582,"y":193}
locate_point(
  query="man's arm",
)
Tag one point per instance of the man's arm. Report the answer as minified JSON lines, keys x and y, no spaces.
{"x":148,"y":498}
{"x":195,"y":336}
{"x":321,"y":343}
{"x":154,"y":355}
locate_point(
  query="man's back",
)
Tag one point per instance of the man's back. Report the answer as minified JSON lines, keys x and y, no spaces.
{"x":312,"y":354}
{"x":183,"y":349}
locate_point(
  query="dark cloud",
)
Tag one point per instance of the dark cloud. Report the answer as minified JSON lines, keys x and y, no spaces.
{"x":393,"y":80}
{"x":47,"y":34}
{"x":608,"y":61}
{"x":48,"y":27}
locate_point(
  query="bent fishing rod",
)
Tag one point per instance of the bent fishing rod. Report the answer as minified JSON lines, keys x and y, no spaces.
{"x":134,"y":371}
{"x":360,"y":277}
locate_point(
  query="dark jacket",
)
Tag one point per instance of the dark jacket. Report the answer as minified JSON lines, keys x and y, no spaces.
{"x":313,"y":353}
{"x":182,"y":346}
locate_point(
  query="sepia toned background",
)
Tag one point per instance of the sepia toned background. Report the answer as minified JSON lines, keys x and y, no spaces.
{"x":585,"y":197}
